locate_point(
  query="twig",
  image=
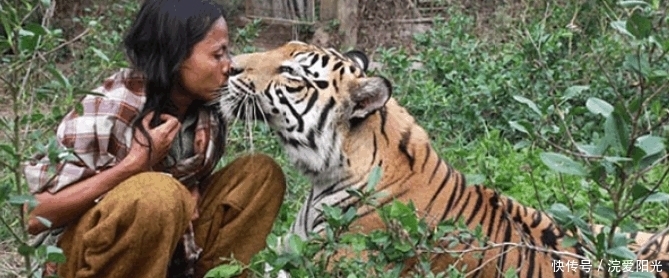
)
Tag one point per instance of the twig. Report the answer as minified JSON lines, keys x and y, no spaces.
{"x":483,"y":264}
{"x":564,"y":124}
{"x":10,"y":229}
{"x":608,"y":78}
{"x":8,"y":83}
{"x":661,"y":122}
{"x":562,"y":149}
{"x":413,"y":8}
{"x":650,"y":241}
{"x":637,"y":115}
{"x":76,"y":38}
{"x":493,"y":245}
{"x":657,"y":185}
{"x":536,"y":190}
{"x":5,"y":164}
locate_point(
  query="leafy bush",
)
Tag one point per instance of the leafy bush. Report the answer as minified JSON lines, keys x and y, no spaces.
{"x":27,"y":45}
{"x":621,"y":158}
{"x":39,"y":93}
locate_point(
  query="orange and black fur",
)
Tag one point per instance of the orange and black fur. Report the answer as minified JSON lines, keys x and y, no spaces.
{"x":336,"y":124}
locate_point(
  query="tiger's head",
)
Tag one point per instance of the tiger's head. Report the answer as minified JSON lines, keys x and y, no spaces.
{"x":309,"y":96}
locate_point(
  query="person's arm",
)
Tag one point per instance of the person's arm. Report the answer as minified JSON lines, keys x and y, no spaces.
{"x":71,"y":202}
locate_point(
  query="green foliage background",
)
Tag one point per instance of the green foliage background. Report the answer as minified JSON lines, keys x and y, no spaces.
{"x":563,"y":108}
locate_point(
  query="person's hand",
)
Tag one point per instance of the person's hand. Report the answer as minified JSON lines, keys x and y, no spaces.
{"x":161,"y":137}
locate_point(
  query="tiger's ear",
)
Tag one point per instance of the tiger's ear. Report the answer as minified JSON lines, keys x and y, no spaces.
{"x":359,"y":57}
{"x":368,"y":95}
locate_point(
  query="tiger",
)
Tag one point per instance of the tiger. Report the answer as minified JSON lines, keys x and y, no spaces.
{"x":336,"y":124}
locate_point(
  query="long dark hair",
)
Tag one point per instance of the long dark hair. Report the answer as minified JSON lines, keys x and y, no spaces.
{"x":159,"y":40}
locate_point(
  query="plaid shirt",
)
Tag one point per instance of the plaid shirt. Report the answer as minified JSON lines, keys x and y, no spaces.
{"x":100,"y":138}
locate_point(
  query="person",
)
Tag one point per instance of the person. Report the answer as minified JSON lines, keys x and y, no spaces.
{"x":138,"y":196}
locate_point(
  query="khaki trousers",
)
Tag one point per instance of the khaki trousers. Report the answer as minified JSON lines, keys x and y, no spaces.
{"x":134,"y":230}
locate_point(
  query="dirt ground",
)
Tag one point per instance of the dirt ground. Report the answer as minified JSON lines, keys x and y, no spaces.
{"x":393,"y":23}
{"x":381,"y":23}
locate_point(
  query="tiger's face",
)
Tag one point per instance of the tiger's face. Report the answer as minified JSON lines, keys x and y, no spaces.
{"x":308,"y":95}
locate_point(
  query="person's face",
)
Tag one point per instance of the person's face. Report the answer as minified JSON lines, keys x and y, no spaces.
{"x":206,"y":69}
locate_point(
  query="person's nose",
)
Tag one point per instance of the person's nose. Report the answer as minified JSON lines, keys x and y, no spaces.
{"x":225,"y":68}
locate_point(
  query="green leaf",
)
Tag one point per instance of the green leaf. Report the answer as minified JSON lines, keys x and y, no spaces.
{"x":647,"y":161}
{"x":638,"y":63}
{"x":80,"y":92}
{"x":621,"y":252}
{"x":651,"y":145}
{"x":574,"y":91}
{"x":473,"y":179}
{"x":523,"y":126}
{"x":602,"y":145}
{"x":599,"y":107}
{"x":562,"y":164}
{"x":654,"y":76}
{"x":616,"y":131}
{"x":5,"y":190}
{"x":100,"y":54}
{"x":79,"y":108}
{"x":658,"y":197}
{"x":224,"y":271}
{"x":19,"y":200}
{"x":26,"y":250}
{"x":641,"y":274}
{"x":639,"y":26}
{"x":271,"y":241}
{"x":621,"y":26}
{"x":529,"y":103}
{"x":617,"y":159}
{"x":569,"y":241}
{"x":588,"y":149}
{"x":515,"y":125}
{"x":604,"y":212}
{"x":639,"y":191}
{"x":510,"y":273}
{"x":62,"y":80}
{"x":54,"y":254}
{"x":27,"y":40}
{"x":296,"y":244}
{"x":633,"y":3}
{"x":44,"y":221}
{"x":9,"y":150}
{"x":36,"y":29}
{"x":4,"y":45}
{"x":619,"y":239}
{"x":374,"y":178}
{"x":402,"y":247}
{"x":560,"y":211}
{"x":350,"y":214}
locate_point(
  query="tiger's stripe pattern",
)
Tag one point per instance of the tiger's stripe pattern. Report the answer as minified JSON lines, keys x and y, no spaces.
{"x":336,"y":124}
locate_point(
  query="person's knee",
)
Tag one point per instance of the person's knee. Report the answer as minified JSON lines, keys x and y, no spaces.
{"x":147,"y":205}
{"x":265,"y":168}
{"x":155,"y":195}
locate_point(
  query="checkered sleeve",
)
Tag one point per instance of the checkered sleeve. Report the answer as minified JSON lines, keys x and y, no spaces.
{"x":97,"y":138}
